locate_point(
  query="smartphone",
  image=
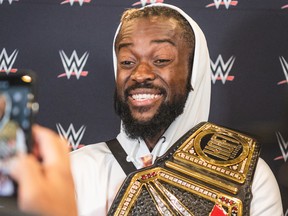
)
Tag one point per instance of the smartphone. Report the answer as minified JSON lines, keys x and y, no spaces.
{"x":18,"y":106}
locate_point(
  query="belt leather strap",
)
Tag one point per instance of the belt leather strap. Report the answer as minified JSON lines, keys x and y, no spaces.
{"x":120,"y":155}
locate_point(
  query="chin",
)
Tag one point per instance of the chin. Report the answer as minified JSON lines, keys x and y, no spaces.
{"x":143,"y":118}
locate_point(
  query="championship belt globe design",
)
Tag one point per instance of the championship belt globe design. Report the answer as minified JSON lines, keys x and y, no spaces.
{"x":208,"y":171}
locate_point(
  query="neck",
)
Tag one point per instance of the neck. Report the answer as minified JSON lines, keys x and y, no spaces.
{"x":152,"y":141}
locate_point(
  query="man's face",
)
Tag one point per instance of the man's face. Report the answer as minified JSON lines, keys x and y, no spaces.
{"x":152,"y":67}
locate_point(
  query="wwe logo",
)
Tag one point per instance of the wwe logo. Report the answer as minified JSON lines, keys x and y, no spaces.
{"x":144,"y":2}
{"x":73,"y":65}
{"x":6,"y":61}
{"x":283,"y":147}
{"x":10,"y":1}
{"x":284,"y":65}
{"x":73,"y":1}
{"x":226,"y":3}
{"x":221,"y":70}
{"x":71,"y":135}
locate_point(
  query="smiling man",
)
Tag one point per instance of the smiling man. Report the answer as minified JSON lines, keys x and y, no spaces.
{"x":162,"y":70}
{"x":152,"y":75}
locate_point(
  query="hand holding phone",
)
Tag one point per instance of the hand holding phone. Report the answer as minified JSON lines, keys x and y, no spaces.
{"x":38,"y":181}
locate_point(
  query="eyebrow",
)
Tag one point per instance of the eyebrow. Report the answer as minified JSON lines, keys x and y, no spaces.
{"x":122,"y":45}
{"x":164,"y":41}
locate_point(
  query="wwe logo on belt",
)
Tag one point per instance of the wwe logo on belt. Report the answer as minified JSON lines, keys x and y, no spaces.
{"x":226,"y":3}
{"x":283,"y":147}
{"x":221,"y":70}
{"x":10,"y":1}
{"x":144,"y":2}
{"x":73,"y":65}
{"x":71,"y":135}
{"x":284,"y":65}
{"x":6,"y":61}
{"x":73,"y":1}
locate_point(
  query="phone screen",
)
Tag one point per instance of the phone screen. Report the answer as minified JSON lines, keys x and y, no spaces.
{"x":16,"y":101}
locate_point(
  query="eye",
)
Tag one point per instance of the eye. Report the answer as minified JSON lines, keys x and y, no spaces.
{"x":161,"y":62}
{"x":127,"y":64}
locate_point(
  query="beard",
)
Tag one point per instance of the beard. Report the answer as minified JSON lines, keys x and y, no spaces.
{"x":165,"y":115}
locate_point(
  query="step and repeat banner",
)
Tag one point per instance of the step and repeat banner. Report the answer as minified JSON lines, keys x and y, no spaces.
{"x":68,"y":43}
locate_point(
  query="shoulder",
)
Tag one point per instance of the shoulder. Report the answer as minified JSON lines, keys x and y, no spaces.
{"x":266,"y":194}
{"x":90,"y":150}
{"x":88,"y":161}
{"x":96,"y":173}
{"x":92,"y":153}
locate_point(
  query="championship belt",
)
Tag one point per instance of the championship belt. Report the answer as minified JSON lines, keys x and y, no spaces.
{"x":208,"y":171}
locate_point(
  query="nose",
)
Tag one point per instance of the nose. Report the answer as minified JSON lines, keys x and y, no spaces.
{"x":143,"y":73}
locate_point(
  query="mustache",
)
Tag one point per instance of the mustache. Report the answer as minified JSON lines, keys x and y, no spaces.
{"x":144,"y":85}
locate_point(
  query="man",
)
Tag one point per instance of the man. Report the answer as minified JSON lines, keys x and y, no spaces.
{"x":162,"y":90}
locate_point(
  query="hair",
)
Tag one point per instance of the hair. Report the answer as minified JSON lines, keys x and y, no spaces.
{"x":166,"y":12}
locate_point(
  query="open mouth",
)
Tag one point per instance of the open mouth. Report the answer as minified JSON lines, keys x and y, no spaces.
{"x":142,"y":97}
{"x":145,"y":96}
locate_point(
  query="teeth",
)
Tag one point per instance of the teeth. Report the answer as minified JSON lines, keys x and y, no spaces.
{"x":144,"y":96}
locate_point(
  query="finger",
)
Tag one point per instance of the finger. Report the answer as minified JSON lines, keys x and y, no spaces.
{"x":51,"y":147}
{"x":32,"y":185}
{"x":22,"y":167}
